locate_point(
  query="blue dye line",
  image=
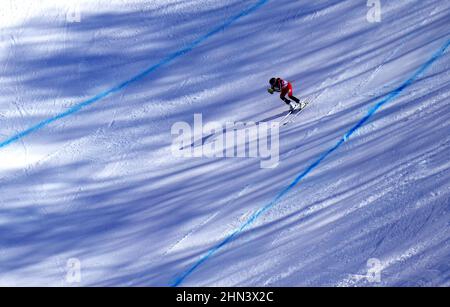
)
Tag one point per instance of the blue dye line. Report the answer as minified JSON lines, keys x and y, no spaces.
{"x":134,"y":79}
{"x":391,"y":96}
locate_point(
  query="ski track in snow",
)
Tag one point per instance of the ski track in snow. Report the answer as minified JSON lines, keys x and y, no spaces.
{"x":100,"y":184}
{"x":166,"y":60}
{"x":391,"y":96}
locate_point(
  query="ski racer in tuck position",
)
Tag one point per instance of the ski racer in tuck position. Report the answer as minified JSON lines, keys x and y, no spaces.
{"x":285,"y":88}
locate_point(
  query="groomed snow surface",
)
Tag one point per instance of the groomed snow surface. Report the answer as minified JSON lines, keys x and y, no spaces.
{"x":102,"y":186}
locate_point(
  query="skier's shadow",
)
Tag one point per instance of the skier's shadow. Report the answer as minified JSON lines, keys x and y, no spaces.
{"x":206,"y":138}
{"x":273,"y":117}
{"x":202,"y":142}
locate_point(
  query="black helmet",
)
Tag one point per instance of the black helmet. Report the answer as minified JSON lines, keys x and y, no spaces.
{"x":273,"y":81}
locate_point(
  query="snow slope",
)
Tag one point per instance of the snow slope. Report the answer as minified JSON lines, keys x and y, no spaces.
{"x":101,"y":185}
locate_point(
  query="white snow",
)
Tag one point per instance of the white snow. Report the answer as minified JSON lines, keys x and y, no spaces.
{"x":101,"y":185}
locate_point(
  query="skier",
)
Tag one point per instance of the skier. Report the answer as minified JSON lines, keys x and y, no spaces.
{"x":285,"y":87}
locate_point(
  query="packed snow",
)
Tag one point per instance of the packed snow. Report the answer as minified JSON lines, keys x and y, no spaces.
{"x":97,"y":198}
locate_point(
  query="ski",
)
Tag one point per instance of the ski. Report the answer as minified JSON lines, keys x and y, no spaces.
{"x":295,"y":113}
{"x":286,"y":117}
{"x":292,"y":112}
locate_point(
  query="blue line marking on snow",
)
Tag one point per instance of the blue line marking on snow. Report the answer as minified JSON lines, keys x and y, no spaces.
{"x":143,"y":74}
{"x":389,"y":97}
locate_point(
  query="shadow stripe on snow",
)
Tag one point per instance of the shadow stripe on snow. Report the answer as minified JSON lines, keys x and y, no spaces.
{"x":389,"y":97}
{"x":118,"y":88}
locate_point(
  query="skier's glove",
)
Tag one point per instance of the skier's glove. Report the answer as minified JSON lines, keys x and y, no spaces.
{"x":270,"y":90}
